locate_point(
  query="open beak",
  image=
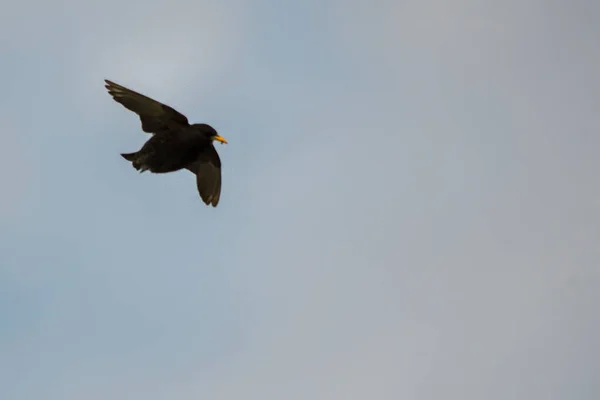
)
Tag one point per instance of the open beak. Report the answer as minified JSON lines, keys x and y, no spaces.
{"x":220,"y":139}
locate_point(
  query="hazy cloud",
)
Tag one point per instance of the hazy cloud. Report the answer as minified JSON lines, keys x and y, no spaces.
{"x":408,"y":211}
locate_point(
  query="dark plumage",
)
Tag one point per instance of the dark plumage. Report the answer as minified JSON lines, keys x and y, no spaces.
{"x":175,"y":144}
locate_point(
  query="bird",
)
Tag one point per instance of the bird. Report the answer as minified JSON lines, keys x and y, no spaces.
{"x":175,"y":143}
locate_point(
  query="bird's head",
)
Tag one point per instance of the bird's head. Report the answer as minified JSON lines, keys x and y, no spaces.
{"x":209,"y":132}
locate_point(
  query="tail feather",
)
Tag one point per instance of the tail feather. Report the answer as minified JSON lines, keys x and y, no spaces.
{"x":135,"y":161}
{"x":129,"y":156}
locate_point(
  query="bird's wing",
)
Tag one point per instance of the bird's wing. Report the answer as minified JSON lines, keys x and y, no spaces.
{"x":156,"y":117}
{"x":207,"y":168}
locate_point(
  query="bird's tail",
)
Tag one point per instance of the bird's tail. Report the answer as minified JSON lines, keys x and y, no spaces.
{"x":133,"y":157}
{"x":129,"y":156}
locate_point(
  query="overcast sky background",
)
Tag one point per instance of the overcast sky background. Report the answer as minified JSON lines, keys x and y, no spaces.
{"x":410,"y":206}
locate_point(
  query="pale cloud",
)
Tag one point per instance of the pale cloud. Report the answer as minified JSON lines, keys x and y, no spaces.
{"x":440,"y":262}
{"x":425,"y":229}
{"x":169,"y":47}
{"x":17,"y":171}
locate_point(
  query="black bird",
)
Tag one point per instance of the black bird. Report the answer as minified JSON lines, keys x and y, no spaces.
{"x":175,"y":144}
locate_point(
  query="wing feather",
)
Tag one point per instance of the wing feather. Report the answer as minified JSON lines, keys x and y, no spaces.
{"x":207,"y":168}
{"x":155,"y":116}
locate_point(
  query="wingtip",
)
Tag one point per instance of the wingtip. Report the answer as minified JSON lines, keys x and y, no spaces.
{"x":210,"y":200}
{"x":111,"y":85}
{"x":114,"y":89}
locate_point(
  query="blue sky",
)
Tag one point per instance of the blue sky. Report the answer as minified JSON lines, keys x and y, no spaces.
{"x":409,"y":205}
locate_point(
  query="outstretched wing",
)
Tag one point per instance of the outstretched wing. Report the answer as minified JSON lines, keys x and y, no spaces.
{"x":156,"y":117}
{"x":207,"y":168}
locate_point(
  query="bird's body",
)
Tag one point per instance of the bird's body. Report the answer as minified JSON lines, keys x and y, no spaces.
{"x":169,"y":151}
{"x":175,"y":143}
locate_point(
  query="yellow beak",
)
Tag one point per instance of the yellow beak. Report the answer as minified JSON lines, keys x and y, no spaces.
{"x":220,"y":139}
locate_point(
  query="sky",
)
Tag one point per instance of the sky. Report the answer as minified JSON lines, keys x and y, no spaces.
{"x":409,"y":206}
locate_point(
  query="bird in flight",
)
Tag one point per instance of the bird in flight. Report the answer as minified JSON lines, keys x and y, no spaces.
{"x":175,"y":143}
